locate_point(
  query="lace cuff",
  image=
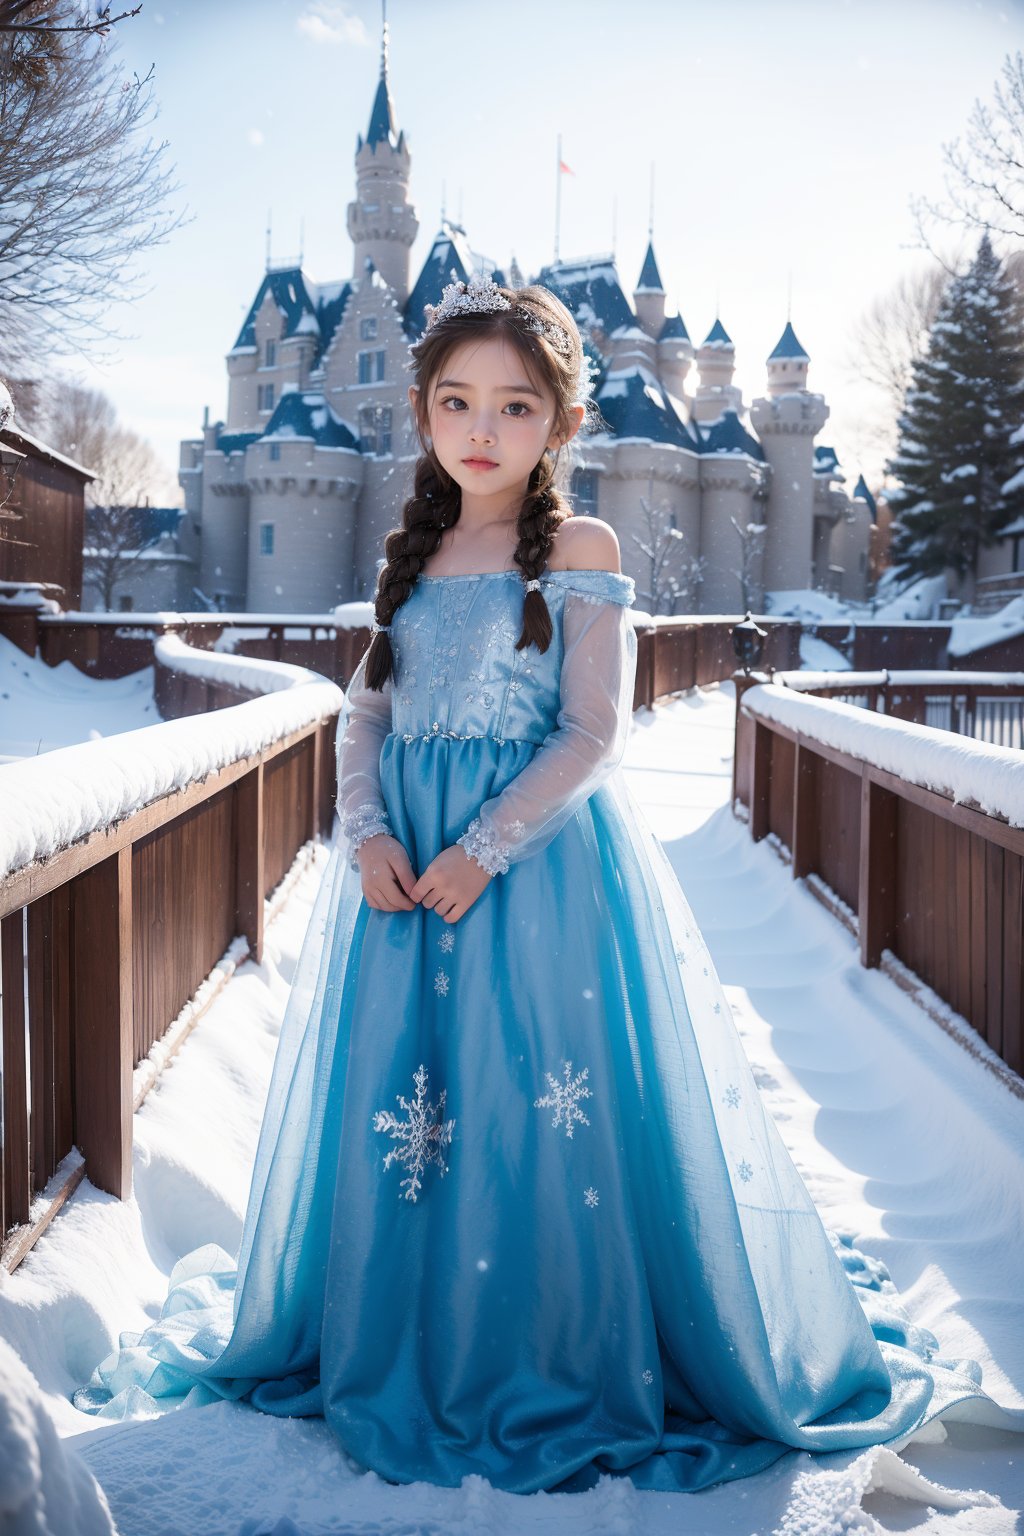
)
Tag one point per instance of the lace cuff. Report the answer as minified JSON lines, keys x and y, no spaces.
{"x":365,"y":822}
{"x":481,"y":843}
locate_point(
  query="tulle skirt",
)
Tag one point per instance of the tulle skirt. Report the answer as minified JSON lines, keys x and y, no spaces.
{"x":517,"y":1209}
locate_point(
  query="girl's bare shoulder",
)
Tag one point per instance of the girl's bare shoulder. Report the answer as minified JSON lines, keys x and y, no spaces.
{"x":585,"y":544}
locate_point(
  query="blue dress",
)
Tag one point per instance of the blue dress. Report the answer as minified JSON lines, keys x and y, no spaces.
{"x":517,"y":1209}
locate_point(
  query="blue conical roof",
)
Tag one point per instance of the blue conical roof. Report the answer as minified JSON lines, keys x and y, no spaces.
{"x":673,"y":329}
{"x":861,"y":493}
{"x":382,"y":118}
{"x":591,"y":292}
{"x":718,"y":335}
{"x":787,"y":346}
{"x":290,"y":294}
{"x":650,"y":277}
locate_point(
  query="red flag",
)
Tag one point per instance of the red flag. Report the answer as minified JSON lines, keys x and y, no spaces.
{"x":563,"y":167}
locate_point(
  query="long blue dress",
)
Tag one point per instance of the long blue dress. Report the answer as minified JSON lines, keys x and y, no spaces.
{"x":517,"y":1209}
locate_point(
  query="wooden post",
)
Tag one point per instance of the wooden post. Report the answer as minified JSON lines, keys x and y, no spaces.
{"x":249,"y":860}
{"x":805,"y":812}
{"x":102,"y":1013}
{"x":15,"y":1191}
{"x":876,"y":896}
{"x":761,"y":779}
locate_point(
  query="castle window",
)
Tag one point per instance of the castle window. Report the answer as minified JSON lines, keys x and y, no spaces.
{"x":371,"y":366}
{"x":375,"y":429}
{"x":368,"y":328}
{"x":269,"y":353}
{"x":265,"y":397}
{"x":275,"y":451}
{"x":583,"y":491}
{"x":266,"y":538}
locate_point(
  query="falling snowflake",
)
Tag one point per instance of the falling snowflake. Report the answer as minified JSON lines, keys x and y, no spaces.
{"x":447,"y":940}
{"x":744,"y":1170}
{"x":648,"y":1376}
{"x":590,"y":1196}
{"x":564,"y":1098}
{"x":422,"y":1134}
{"x":441,"y":982}
{"x":731,"y":1095}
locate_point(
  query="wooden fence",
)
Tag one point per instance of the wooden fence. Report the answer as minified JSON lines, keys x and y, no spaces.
{"x":931,"y":886}
{"x":113,"y":936}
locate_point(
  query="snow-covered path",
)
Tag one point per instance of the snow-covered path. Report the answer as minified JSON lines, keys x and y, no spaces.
{"x":901,"y":1136}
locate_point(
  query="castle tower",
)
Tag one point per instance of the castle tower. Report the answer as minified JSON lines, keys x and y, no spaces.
{"x":716,"y":364}
{"x":787,"y":422}
{"x":649,"y":296}
{"x":382,"y":222}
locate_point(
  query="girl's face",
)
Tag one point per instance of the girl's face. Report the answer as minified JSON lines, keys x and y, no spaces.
{"x":488,"y":422}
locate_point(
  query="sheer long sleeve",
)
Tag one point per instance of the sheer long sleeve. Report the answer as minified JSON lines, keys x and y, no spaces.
{"x":587,"y":744}
{"x":363,"y":723}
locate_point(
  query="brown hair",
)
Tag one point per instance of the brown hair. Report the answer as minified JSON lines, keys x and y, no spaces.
{"x":436,"y":501}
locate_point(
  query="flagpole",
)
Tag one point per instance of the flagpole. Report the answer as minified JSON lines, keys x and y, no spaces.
{"x":558,"y":193}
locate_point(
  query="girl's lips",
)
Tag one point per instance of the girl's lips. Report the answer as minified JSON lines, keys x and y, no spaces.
{"x":480,"y":463}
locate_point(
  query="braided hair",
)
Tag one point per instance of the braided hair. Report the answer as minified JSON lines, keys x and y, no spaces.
{"x":436,"y":501}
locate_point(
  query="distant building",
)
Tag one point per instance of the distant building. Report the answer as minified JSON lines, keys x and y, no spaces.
{"x":288,"y":501}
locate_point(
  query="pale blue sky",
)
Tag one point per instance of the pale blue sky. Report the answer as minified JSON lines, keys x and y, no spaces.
{"x":787,"y":141}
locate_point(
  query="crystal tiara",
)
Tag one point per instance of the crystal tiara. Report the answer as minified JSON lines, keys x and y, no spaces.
{"x":482,"y":295}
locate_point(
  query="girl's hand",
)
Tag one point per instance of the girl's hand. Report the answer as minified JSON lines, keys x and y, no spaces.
{"x":386,"y":873}
{"x":451,"y":883}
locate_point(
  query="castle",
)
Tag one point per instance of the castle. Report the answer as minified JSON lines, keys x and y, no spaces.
{"x":288,"y":501}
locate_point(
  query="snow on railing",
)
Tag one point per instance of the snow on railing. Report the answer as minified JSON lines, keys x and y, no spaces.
{"x":52,"y":800}
{"x":964,"y":770}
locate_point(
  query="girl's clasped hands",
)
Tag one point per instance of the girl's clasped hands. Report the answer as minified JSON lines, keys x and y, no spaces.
{"x":449,"y":885}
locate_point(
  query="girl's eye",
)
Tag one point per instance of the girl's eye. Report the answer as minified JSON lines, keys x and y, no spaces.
{"x":524,"y":409}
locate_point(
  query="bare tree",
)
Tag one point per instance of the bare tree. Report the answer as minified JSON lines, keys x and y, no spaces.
{"x":751,"y":537}
{"x":80,"y":195}
{"x":82,"y":423}
{"x":985,"y":175}
{"x":673,"y":576}
{"x":31,"y":16}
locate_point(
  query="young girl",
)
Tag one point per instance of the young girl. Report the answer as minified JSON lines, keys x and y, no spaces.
{"x":517,"y":1209}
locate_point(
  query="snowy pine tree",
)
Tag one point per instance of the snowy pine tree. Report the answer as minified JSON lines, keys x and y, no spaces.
{"x":960,"y":415}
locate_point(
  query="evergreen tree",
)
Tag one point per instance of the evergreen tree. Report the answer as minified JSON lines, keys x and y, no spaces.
{"x":960,"y":415}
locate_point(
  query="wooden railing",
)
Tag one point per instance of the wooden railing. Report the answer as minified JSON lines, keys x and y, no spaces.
{"x":967,"y":703}
{"x":115,"y":933}
{"x":928,"y":875}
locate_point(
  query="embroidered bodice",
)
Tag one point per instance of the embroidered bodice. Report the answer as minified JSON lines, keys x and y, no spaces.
{"x":457,"y":674}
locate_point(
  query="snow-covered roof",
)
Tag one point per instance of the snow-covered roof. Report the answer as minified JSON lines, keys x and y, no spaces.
{"x":305,"y":414}
{"x":635,"y":406}
{"x":728,"y":435}
{"x":718,"y":336}
{"x":970,"y":634}
{"x":788,"y":347}
{"x":673,"y":329}
{"x":22,"y":441}
{"x":591,"y":291}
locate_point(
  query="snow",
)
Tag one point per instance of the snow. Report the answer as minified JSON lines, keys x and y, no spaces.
{"x":965,"y":770}
{"x":806,"y":604}
{"x":919,"y":600}
{"x":43,"y":708}
{"x":972,"y":634}
{"x":55,"y":799}
{"x":856,"y":1102}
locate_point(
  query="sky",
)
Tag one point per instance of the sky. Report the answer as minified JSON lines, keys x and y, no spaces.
{"x":787,"y":142}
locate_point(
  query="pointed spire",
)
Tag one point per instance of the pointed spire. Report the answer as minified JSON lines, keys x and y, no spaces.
{"x":787,"y":346}
{"x":382,"y":117}
{"x":650,"y":277}
{"x":718,"y":335}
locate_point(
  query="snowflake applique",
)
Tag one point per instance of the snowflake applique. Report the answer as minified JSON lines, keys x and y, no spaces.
{"x":590,"y":1196}
{"x":447,"y":940}
{"x":731,"y":1096}
{"x":681,"y":956}
{"x":564,"y":1098}
{"x":422,"y":1135}
{"x":705,"y":970}
{"x":648,"y":1376}
{"x":745,"y":1171}
{"x":717,"y":1008}
{"x":516,"y":828}
{"x":441,"y":982}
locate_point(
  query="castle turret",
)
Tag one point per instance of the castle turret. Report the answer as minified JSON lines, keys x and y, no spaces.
{"x":787,"y":422}
{"x":716,"y":364}
{"x":649,"y":296}
{"x":382,"y":222}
